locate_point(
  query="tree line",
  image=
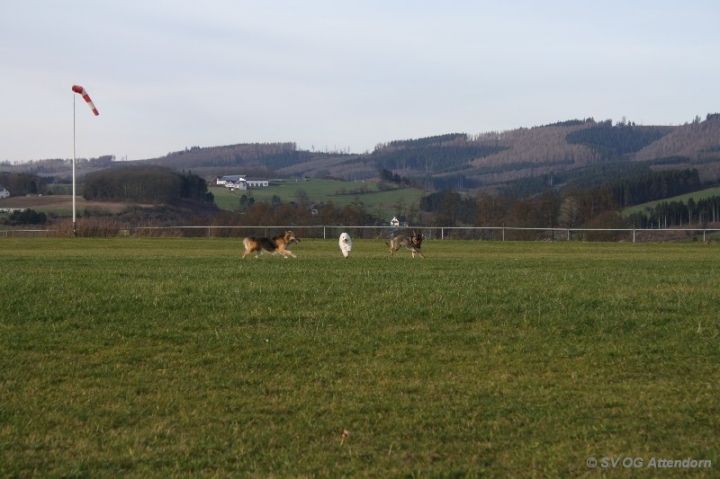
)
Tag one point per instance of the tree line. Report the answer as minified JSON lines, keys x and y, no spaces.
{"x":595,"y":206}
{"x":145,"y":184}
{"x":21,"y":184}
{"x":655,"y":185}
{"x":678,"y":214}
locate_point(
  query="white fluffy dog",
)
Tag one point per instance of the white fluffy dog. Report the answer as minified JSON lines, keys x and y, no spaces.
{"x":345,"y":243}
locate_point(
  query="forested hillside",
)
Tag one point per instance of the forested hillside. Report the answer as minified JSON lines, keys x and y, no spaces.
{"x":614,"y":142}
{"x":524,"y":161}
{"x":434,"y":155}
{"x":696,"y":142}
{"x":261,"y":157}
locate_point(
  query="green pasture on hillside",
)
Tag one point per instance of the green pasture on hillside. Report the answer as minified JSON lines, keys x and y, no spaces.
{"x":340,"y":193}
{"x":696,"y":196}
{"x":172,"y":357}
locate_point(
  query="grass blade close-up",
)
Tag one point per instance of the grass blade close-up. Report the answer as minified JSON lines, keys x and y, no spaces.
{"x":173,"y":357}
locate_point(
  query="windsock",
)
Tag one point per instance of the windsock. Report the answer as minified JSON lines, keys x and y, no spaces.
{"x":86,"y":97}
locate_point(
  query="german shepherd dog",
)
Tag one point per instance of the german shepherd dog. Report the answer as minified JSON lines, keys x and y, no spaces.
{"x":275,"y":245}
{"x":412,"y":243}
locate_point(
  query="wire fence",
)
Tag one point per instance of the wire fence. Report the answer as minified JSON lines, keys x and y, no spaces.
{"x":486,"y":233}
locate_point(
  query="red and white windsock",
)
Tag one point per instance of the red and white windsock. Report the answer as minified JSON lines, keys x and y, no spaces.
{"x":86,"y":97}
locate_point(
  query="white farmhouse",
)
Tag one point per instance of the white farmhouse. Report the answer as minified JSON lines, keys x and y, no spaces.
{"x":234,"y":182}
{"x":4,"y":192}
{"x":238,"y":182}
{"x":225,"y":180}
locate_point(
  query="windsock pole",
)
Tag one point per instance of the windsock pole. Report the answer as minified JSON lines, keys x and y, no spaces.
{"x":73,"y":170}
{"x":81,"y":91}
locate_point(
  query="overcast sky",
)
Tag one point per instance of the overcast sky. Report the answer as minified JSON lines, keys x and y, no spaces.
{"x":340,"y":75}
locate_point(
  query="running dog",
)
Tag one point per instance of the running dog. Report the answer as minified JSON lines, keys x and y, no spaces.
{"x":345,"y":243}
{"x":274,"y":245}
{"x":412,"y":243}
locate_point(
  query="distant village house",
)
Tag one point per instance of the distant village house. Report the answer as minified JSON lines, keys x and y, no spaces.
{"x":399,"y":222}
{"x":4,"y":192}
{"x":238,"y":182}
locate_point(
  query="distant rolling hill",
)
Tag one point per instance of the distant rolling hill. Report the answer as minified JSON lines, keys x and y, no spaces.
{"x":523,"y":161}
{"x":549,"y":155}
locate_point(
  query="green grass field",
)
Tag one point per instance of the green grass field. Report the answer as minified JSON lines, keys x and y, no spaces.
{"x":172,"y":357}
{"x":340,"y":193}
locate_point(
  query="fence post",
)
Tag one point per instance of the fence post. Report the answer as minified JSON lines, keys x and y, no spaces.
{"x":503,"y":231}
{"x":633,"y":235}
{"x":568,"y":234}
